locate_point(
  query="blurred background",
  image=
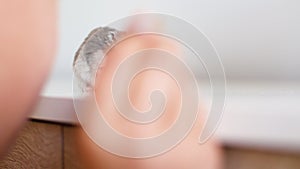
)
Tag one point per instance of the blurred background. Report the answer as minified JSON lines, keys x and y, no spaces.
{"x":258,"y":43}
{"x":255,"y":39}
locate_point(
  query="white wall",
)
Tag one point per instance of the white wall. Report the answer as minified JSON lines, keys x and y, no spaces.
{"x":255,"y":38}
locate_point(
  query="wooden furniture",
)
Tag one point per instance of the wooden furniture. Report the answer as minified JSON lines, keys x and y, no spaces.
{"x":51,"y":146}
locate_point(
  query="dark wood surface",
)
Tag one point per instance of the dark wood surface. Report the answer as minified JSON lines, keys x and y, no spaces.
{"x":44,"y":145}
{"x":258,"y":159}
{"x":71,"y":151}
{"x":39,"y":145}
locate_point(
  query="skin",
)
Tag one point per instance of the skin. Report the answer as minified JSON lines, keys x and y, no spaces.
{"x":27,"y":48}
{"x":188,"y":154}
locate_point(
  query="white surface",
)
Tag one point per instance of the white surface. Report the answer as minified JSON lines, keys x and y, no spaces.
{"x":259,"y":115}
{"x":255,"y":38}
{"x":262,"y":116}
{"x":58,"y":110}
